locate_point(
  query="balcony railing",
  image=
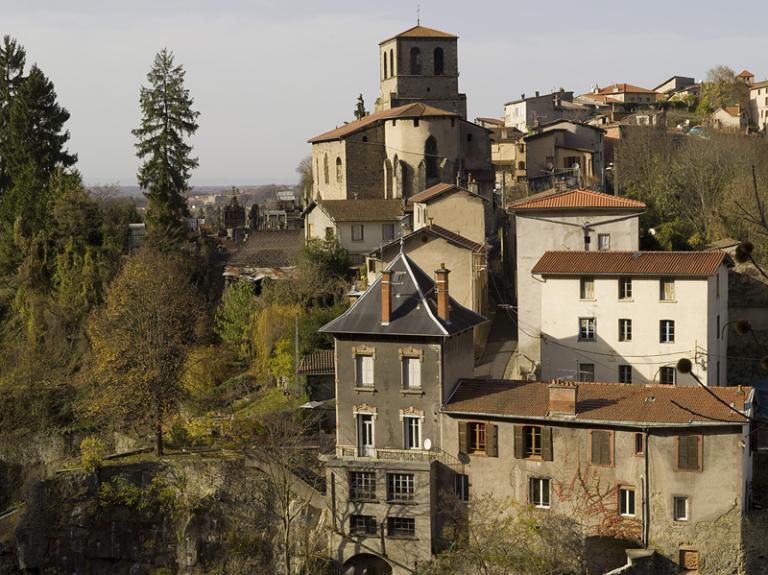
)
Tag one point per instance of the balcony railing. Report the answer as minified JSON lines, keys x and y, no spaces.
{"x":388,"y":454}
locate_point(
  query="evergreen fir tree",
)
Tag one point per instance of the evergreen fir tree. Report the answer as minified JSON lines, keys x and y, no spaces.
{"x":167,"y":119}
{"x":12,"y":60}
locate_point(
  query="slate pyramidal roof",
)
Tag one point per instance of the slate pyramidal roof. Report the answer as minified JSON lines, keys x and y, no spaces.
{"x":414,"y":308}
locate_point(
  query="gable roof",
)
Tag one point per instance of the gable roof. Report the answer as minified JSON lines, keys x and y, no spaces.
{"x":268,"y":249}
{"x":415,"y":110}
{"x":745,"y":74}
{"x":624,"y":88}
{"x":686,"y":264}
{"x":622,"y":403}
{"x":420,"y":31}
{"x":734,"y":111}
{"x":757,"y":85}
{"x":414,"y":308}
{"x":319,"y":362}
{"x":365,"y":210}
{"x":435,"y":231}
{"x":438,"y":190}
{"x":575,"y":200}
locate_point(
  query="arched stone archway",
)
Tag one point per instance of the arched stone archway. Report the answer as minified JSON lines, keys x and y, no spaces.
{"x":366,"y":564}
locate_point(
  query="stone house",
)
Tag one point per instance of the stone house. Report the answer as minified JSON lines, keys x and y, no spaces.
{"x":665,"y":467}
{"x":399,"y":350}
{"x":452,"y":207}
{"x":730,"y":118}
{"x":629,"y":317}
{"x":359,"y":226}
{"x":527,"y":113}
{"x":758,"y":105}
{"x":576,"y":220}
{"x":629,"y":94}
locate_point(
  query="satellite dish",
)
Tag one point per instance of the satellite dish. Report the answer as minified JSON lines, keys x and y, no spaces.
{"x":427,"y":444}
{"x":549,"y":165}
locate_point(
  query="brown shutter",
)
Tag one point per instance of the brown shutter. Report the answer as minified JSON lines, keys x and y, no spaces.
{"x":682,"y":454}
{"x":693,"y":452}
{"x":606,"y":447}
{"x":546,"y":443}
{"x":601,"y":447}
{"x":463,"y":437}
{"x":491,"y":440}
{"x":518,"y":441}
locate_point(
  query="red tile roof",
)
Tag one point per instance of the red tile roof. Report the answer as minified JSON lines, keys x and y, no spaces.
{"x":601,"y":402}
{"x":575,"y":200}
{"x":745,"y":74}
{"x":734,"y":111}
{"x":690,"y":264}
{"x":321,"y":362}
{"x":438,"y":190}
{"x":622,"y":88}
{"x":416,"y":110}
{"x":420,"y":32}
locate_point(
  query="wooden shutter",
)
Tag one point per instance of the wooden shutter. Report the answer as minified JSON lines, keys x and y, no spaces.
{"x":491,"y":440}
{"x":518,"y":441}
{"x":688,"y":452}
{"x":368,"y":369}
{"x":463,"y":437}
{"x":546,"y":443}
{"x":682,"y":452}
{"x":601,"y":447}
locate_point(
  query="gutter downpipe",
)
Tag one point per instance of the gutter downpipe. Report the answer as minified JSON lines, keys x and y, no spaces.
{"x":646,"y":492}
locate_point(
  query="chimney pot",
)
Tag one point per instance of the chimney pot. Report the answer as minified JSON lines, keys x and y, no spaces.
{"x":386,"y":296}
{"x":537,"y":93}
{"x":441,"y":285}
{"x":563,"y":396}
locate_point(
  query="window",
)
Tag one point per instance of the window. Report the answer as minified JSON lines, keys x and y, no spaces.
{"x":625,"y":288}
{"x":385,"y":65}
{"x":625,"y":330}
{"x":538,"y":492}
{"x":639,"y":444}
{"x":680,"y":508}
{"x":415,"y":122}
{"x":520,"y":165}
{"x":412,"y":432}
{"x":365,"y":435}
{"x":362,"y":525}
{"x":532,"y":440}
{"x":339,"y":171}
{"x":387,"y":232}
{"x":411,"y":373}
{"x":586,"y":372}
{"x":461,"y":486}
{"x":329,"y":233}
{"x":401,"y":527}
{"x":325,"y":169}
{"x":364,"y":370}
{"x":601,"y":448}
{"x":587,"y":288}
{"x":667,"y":289}
{"x":603,"y":241}
{"x":476,"y":437}
{"x":625,"y":374}
{"x":362,"y":485}
{"x":430,"y":157}
{"x":587,"y":242}
{"x":400,"y":487}
{"x":718,"y":326}
{"x":438,"y":61}
{"x":689,"y":452}
{"x":668,"y":375}
{"x":627,"y":501}
{"x":415,"y":61}
{"x":391,"y":62}
{"x":587,"y":328}
{"x":667,"y":331}
{"x":357,"y":232}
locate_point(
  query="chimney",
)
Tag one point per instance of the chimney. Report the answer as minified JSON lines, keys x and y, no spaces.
{"x":386,"y":296}
{"x":441,"y":284}
{"x":562,"y":397}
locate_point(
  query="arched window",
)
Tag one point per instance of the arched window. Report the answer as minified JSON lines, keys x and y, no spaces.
{"x":325,"y":168}
{"x":385,"y":65}
{"x":392,"y":62}
{"x":415,"y":61}
{"x":338,"y":170}
{"x":430,"y":157}
{"x":438,"y":60}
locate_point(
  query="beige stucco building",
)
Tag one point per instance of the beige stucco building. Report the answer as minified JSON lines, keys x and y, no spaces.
{"x":729,"y":119}
{"x":758,"y":105}
{"x":628,"y":317}
{"x":576,"y":220}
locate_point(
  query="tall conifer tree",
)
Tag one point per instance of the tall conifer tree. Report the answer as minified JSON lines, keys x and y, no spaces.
{"x":167,"y":120}
{"x":12,"y":60}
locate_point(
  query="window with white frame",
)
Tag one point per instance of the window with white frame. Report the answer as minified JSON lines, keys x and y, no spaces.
{"x":667,"y":331}
{"x":680,"y":508}
{"x":364,"y":370}
{"x":362,"y":485}
{"x":411,"y":373}
{"x":401,"y":486}
{"x":401,"y":527}
{"x":412,"y":432}
{"x":603,"y":242}
{"x":362,"y":525}
{"x":357,"y":232}
{"x":627,"y":501}
{"x":625,"y":288}
{"x":667,"y":375}
{"x":587,"y":288}
{"x":625,"y":330}
{"x":625,"y":374}
{"x":538,"y":492}
{"x":587,"y":327}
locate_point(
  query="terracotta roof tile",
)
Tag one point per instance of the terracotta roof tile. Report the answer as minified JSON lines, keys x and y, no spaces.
{"x":757,"y":85}
{"x":575,"y":200}
{"x":437,"y":190}
{"x":321,"y":362}
{"x":691,"y":264}
{"x":608,"y":402}
{"x":373,"y":210}
{"x":416,"y":110}
{"x":745,"y":74}
{"x":623,"y":88}
{"x":420,"y":32}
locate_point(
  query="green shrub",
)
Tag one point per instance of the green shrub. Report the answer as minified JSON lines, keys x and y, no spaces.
{"x":93,"y":450}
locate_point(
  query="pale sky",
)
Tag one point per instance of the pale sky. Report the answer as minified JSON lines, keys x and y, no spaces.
{"x":266,"y":75}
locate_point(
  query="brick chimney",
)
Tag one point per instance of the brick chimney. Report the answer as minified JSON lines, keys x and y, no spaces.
{"x":386,"y":296}
{"x":441,"y":285}
{"x":562,"y":397}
